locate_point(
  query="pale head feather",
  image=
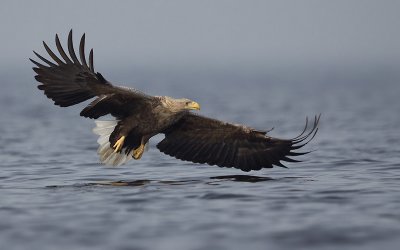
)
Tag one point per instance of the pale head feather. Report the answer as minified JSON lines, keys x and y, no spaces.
{"x":175,"y":105}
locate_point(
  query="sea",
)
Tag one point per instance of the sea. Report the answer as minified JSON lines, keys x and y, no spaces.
{"x":345,"y":194}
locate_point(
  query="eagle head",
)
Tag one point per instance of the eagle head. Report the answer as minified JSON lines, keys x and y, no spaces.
{"x":178,"y":105}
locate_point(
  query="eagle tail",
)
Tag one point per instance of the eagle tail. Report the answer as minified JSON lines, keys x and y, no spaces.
{"x":105,"y":151}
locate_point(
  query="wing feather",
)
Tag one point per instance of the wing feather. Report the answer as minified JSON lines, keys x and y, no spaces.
{"x":61,"y":51}
{"x":52,"y":55}
{"x":71,"y":49}
{"x":44,"y":59}
{"x":82,"y":52}
{"x":91,"y":66}
{"x":205,"y":140}
{"x":72,"y":81}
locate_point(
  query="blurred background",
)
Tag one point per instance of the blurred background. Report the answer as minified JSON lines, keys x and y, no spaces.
{"x":263,"y":63}
{"x":255,"y":37}
{"x":207,"y":49}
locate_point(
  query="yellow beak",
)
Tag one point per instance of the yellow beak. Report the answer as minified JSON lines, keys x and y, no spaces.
{"x":193,"y":105}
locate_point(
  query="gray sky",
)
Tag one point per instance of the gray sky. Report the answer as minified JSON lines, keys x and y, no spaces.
{"x":214,"y":33}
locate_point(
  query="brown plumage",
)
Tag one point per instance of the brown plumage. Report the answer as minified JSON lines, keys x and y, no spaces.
{"x":68,"y":80}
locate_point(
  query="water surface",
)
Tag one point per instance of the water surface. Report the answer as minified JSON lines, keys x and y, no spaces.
{"x":346,"y":194}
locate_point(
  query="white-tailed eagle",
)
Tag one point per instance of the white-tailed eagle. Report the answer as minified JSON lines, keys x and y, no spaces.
{"x":69,"y":80}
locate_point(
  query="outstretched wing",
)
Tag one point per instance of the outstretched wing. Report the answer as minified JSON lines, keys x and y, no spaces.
{"x":68,"y":80}
{"x":204,"y":140}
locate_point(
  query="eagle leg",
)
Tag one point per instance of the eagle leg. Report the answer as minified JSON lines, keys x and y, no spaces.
{"x":138,"y":152}
{"x":119,"y":144}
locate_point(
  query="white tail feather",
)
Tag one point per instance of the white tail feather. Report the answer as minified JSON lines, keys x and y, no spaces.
{"x":107,"y":154}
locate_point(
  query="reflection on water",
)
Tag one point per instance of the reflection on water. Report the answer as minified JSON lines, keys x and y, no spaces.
{"x":242,"y":178}
{"x":345,"y":194}
{"x":135,"y":183}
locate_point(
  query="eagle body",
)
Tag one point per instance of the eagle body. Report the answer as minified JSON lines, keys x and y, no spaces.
{"x":139,"y":127}
{"x":69,"y":80}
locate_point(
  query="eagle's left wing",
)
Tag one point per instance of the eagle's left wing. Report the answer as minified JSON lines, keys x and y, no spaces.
{"x":204,"y":140}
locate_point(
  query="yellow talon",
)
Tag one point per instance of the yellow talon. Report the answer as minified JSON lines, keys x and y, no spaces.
{"x":137,"y":153}
{"x":118,"y":145}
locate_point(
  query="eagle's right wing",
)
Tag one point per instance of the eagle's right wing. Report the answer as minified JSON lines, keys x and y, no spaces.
{"x":69,"y":81}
